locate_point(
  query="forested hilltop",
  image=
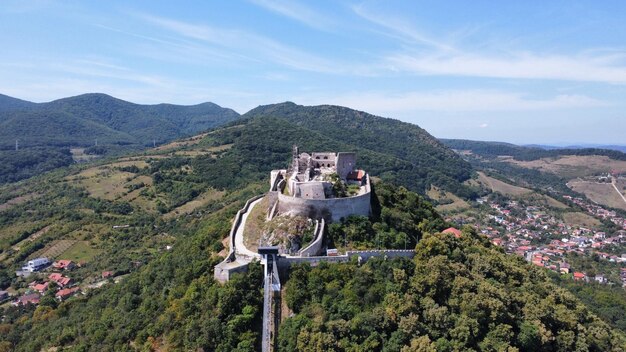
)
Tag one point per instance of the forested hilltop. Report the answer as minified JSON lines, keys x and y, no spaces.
{"x":80,"y":120}
{"x":425,"y":161}
{"x":457,"y":294}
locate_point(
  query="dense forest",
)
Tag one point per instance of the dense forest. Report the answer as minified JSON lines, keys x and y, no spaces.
{"x":457,"y":294}
{"x":25,"y":163}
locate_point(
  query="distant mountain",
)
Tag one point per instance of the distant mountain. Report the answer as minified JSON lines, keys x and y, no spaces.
{"x":421,"y":159}
{"x":621,"y":148}
{"x":529,"y":152}
{"x":8,"y":103}
{"x":79,"y":120}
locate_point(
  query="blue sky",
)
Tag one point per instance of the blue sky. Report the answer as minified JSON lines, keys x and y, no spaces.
{"x":523,"y":72}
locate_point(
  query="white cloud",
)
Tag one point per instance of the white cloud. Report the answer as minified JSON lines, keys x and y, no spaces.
{"x":431,"y":55}
{"x":605,"y":69}
{"x":255,"y":46}
{"x":483,"y":125}
{"x":400,"y":28}
{"x":298,"y":12}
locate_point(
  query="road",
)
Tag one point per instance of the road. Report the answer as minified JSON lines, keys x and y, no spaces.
{"x":240,"y":247}
{"x":617,"y":189}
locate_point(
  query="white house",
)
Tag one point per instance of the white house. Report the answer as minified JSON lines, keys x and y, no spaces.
{"x":36,"y":264}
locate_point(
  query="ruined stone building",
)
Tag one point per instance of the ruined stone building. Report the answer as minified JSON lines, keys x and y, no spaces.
{"x":306,"y":188}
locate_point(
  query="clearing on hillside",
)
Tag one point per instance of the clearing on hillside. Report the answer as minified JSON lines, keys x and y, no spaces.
{"x":18,"y":200}
{"x":198,"y":202}
{"x":80,"y":251}
{"x":448,"y":202}
{"x":601,"y":193}
{"x":581,"y":219}
{"x":502,"y":187}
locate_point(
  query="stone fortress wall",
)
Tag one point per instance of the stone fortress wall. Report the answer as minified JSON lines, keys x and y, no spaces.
{"x":332,"y":209}
{"x":309,"y":198}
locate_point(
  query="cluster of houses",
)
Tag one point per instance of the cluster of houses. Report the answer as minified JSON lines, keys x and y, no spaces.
{"x":543,"y":239}
{"x":65,"y":286}
{"x":598,"y":211}
{"x":50,"y":277}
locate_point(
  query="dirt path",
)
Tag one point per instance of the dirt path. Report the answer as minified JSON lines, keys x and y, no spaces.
{"x":617,"y":189}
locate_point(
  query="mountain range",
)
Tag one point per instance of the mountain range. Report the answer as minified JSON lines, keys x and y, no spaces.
{"x":80,"y":120}
{"x":393,"y":150}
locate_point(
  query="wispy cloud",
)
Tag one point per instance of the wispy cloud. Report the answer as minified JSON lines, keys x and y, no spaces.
{"x":455,"y":101}
{"x":606,"y":69}
{"x":401,"y":28}
{"x":298,"y":12}
{"x":258,"y":47}
{"x":432,"y":55}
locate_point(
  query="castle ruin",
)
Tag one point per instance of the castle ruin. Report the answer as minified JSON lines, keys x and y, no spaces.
{"x":320,"y":186}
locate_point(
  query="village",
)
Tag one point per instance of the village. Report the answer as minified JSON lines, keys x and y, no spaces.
{"x":51,"y":280}
{"x":545,"y":240}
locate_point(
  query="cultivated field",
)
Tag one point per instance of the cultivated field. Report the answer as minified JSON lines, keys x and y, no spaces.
{"x":182,"y":143}
{"x":572,"y":166}
{"x":457,"y":204}
{"x":67,"y":249}
{"x":80,"y":251}
{"x":110,"y":183}
{"x":18,"y":200}
{"x":200,"y":201}
{"x":580,"y":219}
{"x":502,"y":187}
{"x":601,"y":193}
{"x":518,"y":192}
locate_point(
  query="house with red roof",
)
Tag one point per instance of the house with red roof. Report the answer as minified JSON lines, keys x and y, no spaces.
{"x":107,"y":274}
{"x":61,"y":280}
{"x":453,"y":231}
{"x":64,"y":264}
{"x":356,"y":175}
{"x":578,"y":276}
{"x":66,"y":293}
{"x":41,"y":288}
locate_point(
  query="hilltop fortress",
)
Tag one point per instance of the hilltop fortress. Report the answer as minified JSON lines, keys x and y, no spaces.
{"x":320,"y":186}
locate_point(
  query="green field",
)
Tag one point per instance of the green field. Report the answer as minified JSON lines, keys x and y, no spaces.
{"x":80,"y":251}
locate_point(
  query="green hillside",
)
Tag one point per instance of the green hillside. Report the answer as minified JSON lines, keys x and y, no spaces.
{"x":8,"y":103}
{"x":425,"y":160}
{"x":46,"y":131}
{"x":457,"y":294}
{"x":79,"y":120}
